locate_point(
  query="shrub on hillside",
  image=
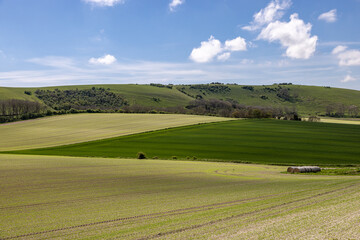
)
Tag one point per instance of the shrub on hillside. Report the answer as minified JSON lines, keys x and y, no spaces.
{"x":141,"y":155}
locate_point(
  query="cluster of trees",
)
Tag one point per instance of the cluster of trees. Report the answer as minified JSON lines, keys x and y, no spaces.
{"x":250,"y":88}
{"x":282,"y":84}
{"x":340,"y":110}
{"x":161,"y":85}
{"x":231,"y":108}
{"x":212,"y":88}
{"x":15,"y":109}
{"x":284,"y":94}
{"x":84,"y":99}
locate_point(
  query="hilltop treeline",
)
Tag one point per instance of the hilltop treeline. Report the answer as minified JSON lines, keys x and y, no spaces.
{"x":221,"y":108}
{"x":15,"y":109}
{"x":84,"y":99}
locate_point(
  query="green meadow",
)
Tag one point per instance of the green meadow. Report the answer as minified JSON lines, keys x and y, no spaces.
{"x":244,"y":141}
{"x":98,"y":190}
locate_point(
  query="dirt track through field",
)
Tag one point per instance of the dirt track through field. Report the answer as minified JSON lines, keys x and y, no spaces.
{"x":152,"y":215}
{"x":250,"y":213}
{"x":190,"y":210}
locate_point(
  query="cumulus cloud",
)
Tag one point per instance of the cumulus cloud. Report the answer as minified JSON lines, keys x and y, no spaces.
{"x":348,"y":78}
{"x":237,"y":44}
{"x":294,"y":35}
{"x":104,"y":3}
{"x":212,"y":48}
{"x":273,"y":11}
{"x":174,"y":4}
{"x":207,"y":51}
{"x":105,"y":60}
{"x":329,"y":16}
{"x":346,"y":57}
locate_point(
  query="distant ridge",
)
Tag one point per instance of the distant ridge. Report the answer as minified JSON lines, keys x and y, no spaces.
{"x":308,"y":100}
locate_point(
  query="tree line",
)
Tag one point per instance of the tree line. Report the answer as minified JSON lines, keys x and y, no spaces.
{"x":340,"y":110}
{"x":15,"y":109}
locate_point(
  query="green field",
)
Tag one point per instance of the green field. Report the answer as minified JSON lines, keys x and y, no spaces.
{"x":256,"y":141}
{"x":111,"y":195}
{"x":66,"y":129}
{"x":44,"y":197}
{"x":308,"y":100}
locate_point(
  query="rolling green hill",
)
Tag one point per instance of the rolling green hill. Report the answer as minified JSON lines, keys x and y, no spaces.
{"x":255,"y":141}
{"x":308,"y":100}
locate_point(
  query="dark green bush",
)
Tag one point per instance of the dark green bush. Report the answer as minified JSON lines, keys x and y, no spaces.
{"x":141,"y":155}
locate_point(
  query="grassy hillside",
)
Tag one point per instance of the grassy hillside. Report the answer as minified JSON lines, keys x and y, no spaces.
{"x":16,"y":93}
{"x":256,"y":141}
{"x":46,"y":197}
{"x":66,"y":129}
{"x":135,"y":94}
{"x":308,"y":100}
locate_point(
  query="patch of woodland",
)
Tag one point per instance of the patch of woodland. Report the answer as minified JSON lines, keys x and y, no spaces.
{"x":81,"y":99}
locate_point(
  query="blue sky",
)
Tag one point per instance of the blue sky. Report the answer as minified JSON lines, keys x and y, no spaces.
{"x":69,"y":42}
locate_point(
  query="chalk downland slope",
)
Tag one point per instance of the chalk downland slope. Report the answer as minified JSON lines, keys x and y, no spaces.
{"x":309,"y":100}
{"x":75,"y":128}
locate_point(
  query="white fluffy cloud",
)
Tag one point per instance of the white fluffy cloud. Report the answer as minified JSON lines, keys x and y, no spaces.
{"x":174,"y":4}
{"x":294,"y":35}
{"x":104,"y":3}
{"x":329,"y":16}
{"x":207,"y":51}
{"x":348,"y":78}
{"x":105,"y":60}
{"x":273,"y":11}
{"x":212,"y":48}
{"x":237,"y":44}
{"x":346,"y":57}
